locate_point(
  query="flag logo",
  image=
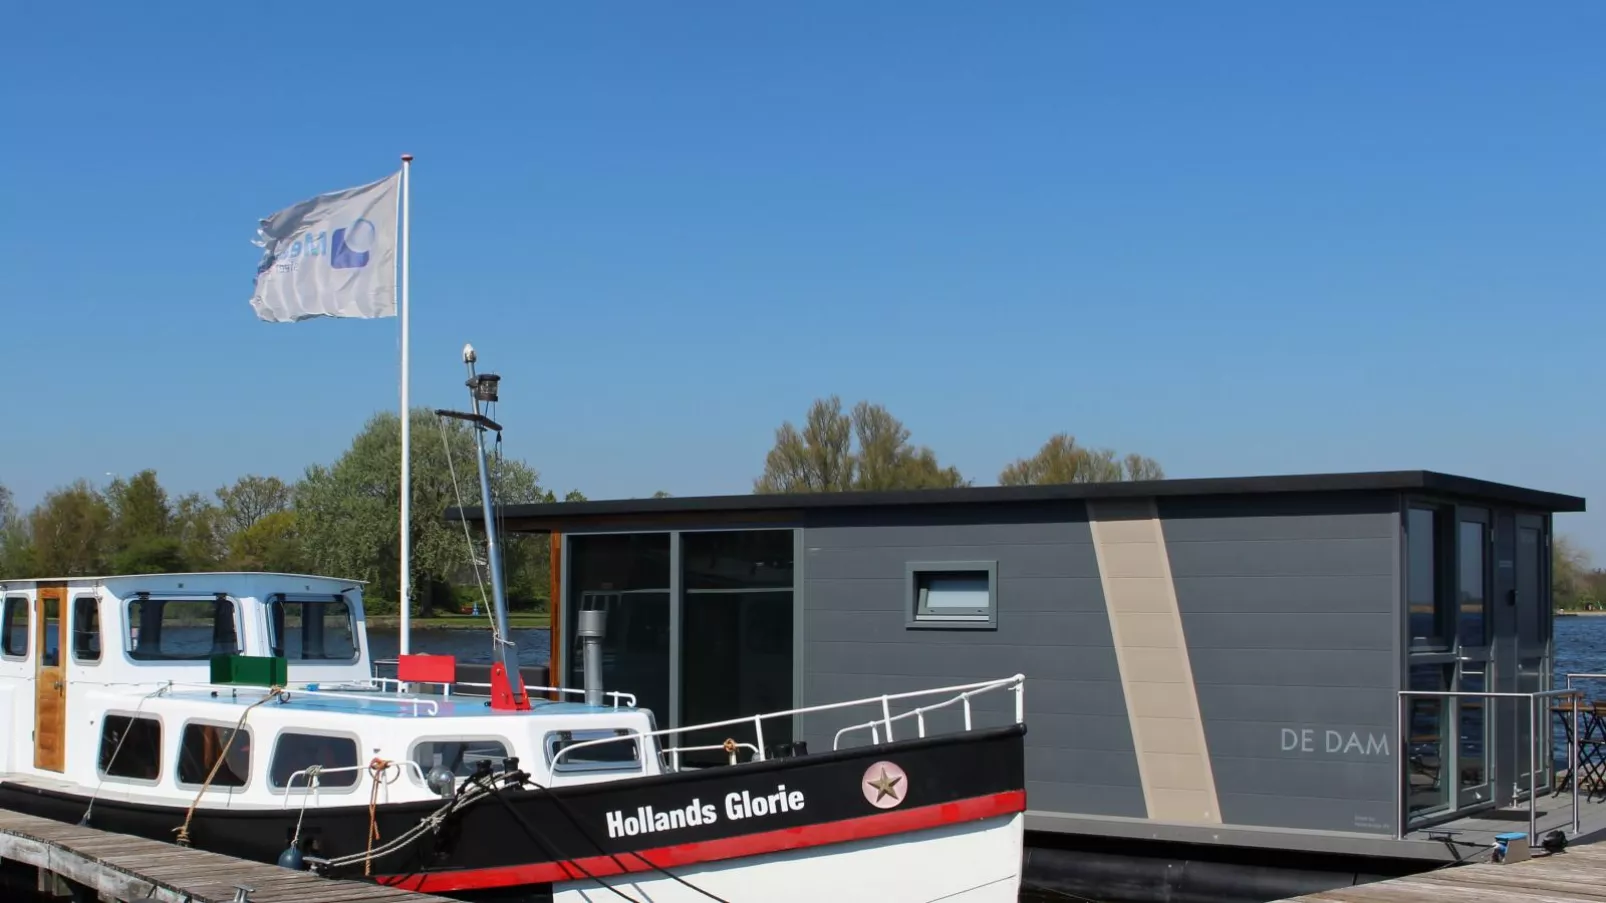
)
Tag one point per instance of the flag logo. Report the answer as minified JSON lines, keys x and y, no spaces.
{"x":333,"y":255}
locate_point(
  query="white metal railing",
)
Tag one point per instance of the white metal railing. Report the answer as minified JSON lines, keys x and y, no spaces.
{"x":290,"y":691}
{"x":960,"y":694}
{"x":312,"y":773}
{"x":1402,"y":783}
{"x":619,"y":698}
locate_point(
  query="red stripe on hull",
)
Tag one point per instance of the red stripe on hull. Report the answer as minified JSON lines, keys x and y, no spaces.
{"x":863,"y":828}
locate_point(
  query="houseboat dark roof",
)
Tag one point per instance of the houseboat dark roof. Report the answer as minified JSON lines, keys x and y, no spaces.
{"x":761,"y":503}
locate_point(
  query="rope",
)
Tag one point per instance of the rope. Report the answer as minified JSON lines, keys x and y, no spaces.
{"x":101,"y":781}
{"x":311,"y":773}
{"x":183,"y":830}
{"x":376,"y":769}
{"x":473,"y":561}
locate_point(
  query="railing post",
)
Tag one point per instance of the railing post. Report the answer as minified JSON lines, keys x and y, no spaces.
{"x":886,"y":714}
{"x":1533,"y":775}
{"x":1402,"y":796}
{"x":966,"y":702}
{"x":920,"y":722}
{"x":1020,"y":700}
{"x":758,"y":734}
{"x":1572,"y":761}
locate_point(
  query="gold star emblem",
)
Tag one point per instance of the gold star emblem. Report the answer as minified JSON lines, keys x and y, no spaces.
{"x":884,"y":785}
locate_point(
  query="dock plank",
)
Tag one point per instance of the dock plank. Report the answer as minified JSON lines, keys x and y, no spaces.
{"x":134,"y":868}
{"x":1576,"y":875}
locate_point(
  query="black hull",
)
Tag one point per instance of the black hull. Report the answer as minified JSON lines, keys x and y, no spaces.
{"x":527,"y":838}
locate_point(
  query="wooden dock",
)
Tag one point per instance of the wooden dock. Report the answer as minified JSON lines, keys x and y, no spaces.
{"x":1575,"y":875}
{"x":106,"y":866}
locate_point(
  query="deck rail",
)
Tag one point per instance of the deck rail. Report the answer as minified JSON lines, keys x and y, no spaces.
{"x":1535,"y":733}
{"x":960,"y":694}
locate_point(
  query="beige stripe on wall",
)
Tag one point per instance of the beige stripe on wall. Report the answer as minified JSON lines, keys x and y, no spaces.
{"x":1152,"y":654}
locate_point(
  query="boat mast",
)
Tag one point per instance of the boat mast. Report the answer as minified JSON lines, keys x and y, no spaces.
{"x":507,"y":684}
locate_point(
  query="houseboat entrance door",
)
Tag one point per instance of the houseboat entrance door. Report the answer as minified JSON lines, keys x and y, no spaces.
{"x":1532,"y":608}
{"x":50,"y":685}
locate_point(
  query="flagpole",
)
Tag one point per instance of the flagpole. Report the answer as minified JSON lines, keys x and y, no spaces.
{"x":406,"y":414}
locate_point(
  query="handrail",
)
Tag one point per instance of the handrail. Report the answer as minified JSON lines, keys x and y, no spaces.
{"x":314,"y":771}
{"x":293,"y":689}
{"x":1016,"y":683}
{"x":619,"y":698}
{"x":1402,"y":791}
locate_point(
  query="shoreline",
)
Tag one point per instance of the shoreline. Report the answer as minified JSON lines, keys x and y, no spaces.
{"x":460,"y":622}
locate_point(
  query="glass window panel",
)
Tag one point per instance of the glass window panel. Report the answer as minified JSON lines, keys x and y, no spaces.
{"x":86,"y":629}
{"x":1427,"y":755}
{"x":294,"y":752}
{"x":203,"y":745}
{"x":738,"y":662}
{"x":619,"y":755}
{"x":181,"y":630}
{"x":1474,"y":729}
{"x":313,"y":630}
{"x":627,"y":576}
{"x":1425,"y":578}
{"x":1472,"y":585}
{"x":619,"y":562}
{"x":736,"y":559}
{"x":14,"y":633}
{"x":956,"y":593}
{"x":461,"y":757}
{"x":131,"y":747}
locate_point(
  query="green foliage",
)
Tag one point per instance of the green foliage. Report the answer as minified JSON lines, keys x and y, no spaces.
{"x":349,"y":518}
{"x":1061,"y":460}
{"x":71,"y":532}
{"x":823,"y":457}
{"x":1571,"y":582}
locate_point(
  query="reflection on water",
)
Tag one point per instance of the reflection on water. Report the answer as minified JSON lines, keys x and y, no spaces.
{"x":469,"y":646}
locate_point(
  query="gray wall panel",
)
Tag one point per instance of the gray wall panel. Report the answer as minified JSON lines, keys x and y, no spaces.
{"x":1287,"y":605}
{"x":1052,"y":626}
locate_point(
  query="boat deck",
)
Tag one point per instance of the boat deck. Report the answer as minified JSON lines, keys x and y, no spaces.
{"x":1472,"y":835}
{"x":1572,"y":876}
{"x":119,"y":867}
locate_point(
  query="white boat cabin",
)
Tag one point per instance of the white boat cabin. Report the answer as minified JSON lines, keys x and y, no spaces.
{"x":109,"y":686}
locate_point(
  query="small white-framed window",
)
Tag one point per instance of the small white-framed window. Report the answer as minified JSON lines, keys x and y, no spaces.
{"x":131,"y":747}
{"x":200,"y":748}
{"x":952,"y":594}
{"x":296,"y":751}
{"x":174,"y":630}
{"x":621,"y":755}
{"x":86,"y":630}
{"x":14,"y":628}
{"x":459,"y":755}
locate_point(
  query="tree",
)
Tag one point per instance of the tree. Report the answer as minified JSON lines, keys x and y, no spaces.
{"x":139,"y":510}
{"x":16,"y":544}
{"x":1569,"y":571}
{"x":71,"y":532}
{"x":272,"y":542}
{"x":1061,"y":460}
{"x":348,"y":514}
{"x":823,"y":457}
{"x":197,"y":525}
{"x":250,"y":499}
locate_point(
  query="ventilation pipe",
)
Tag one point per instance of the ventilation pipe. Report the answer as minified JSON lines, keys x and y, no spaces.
{"x":593,"y":624}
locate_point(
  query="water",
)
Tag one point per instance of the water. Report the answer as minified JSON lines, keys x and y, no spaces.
{"x":469,"y":646}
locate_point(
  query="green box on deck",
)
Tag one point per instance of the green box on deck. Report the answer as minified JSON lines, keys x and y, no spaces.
{"x":251,"y":670}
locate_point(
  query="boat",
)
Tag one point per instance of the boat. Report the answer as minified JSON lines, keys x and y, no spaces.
{"x":243,"y":713}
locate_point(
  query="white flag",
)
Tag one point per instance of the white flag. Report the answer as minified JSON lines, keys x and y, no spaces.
{"x":331,"y":256}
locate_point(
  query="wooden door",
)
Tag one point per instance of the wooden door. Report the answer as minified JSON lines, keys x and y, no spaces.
{"x":50,"y":688}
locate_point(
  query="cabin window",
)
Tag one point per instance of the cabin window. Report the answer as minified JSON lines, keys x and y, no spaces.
{"x":181,"y":629}
{"x":621,"y":755}
{"x":203,"y":745}
{"x":961,"y":594}
{"x":86,"y":629}
{"x":312,"y":630}
{"x":1472,"y":588}
{"x":14,"y":629}
{"x":297,"y":751}
{"x":1429,"y":577}
{"x":460,"y":756}
{"x":131,"y":747}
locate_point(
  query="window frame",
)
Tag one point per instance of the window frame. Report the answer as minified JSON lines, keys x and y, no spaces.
{"x":161,"y":747}
{"x":178,"y":759}
{"x":304,"y":599}
{"x":100,"y":630}
{"x":549,"y":742}
{"x":918,"y":620}
{"x":420,"y":776}
{"x":27,"y":624}
{"x":278,"y":738}
{"x":130,"y":624}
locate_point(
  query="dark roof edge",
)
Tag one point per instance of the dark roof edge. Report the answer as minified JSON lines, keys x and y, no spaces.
{"x":1400,"y":480}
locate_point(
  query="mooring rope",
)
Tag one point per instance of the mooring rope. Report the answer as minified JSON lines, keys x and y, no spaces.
{"x":183,"y":830}
{"x":376,"y":769}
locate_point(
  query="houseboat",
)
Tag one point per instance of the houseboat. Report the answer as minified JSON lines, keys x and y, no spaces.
{"x":1243,"y":688}
{"x":242,"y":713}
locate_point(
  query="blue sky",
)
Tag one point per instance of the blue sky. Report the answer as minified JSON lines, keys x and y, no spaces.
{"x":1239,"y":237}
